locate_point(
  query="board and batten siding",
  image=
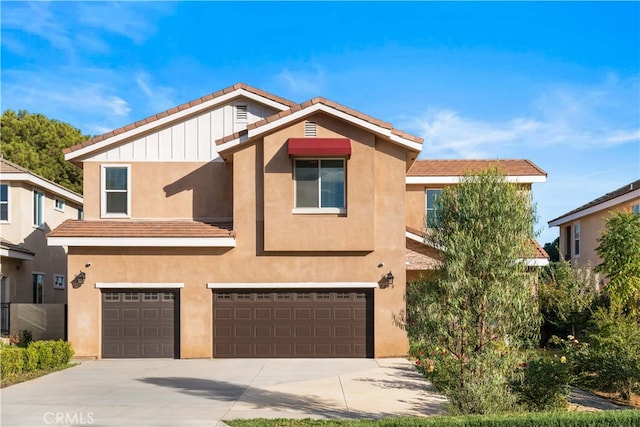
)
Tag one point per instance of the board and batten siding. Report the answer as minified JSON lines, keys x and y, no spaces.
{"x":192,"y":139}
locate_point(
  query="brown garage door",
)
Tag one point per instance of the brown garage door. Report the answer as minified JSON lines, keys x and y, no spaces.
{"x":296,"y":323}
{"x":139,"y":324}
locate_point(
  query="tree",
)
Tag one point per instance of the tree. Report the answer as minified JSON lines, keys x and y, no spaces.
{"x":619,"y":248}
{"x":553,"y":250}
{"x":471,"y":318}
{"x":566,"y":295}
{"x":35,"y":142}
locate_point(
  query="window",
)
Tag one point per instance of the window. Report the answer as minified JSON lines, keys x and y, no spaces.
{"x":636,"y":209}
{"x":38,"y":288}
{"x":4,"y":203}
{"x":58,"y":281}
{"x":151,"y":296}
{"x":111,"y":296}
{"x":320,"y":183}
{"x":80,"y":214}
{"x":576,"y":239}
{"x":58,"y":204}
{"x":38,"y":209}
{"x":115,"y":191}
{"x":131,"y":296}
{"x":430,"y":206}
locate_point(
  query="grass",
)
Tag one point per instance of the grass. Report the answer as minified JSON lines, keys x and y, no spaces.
{"x":27,"y":376}
{"x":556,"y":419}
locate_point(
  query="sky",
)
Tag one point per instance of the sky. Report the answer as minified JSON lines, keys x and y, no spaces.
{"x":556,"y":83}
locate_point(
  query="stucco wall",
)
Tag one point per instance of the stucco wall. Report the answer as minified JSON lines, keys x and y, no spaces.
{"x":45,"y":321}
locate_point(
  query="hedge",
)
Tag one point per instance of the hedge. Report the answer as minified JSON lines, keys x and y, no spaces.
{"x":39,"y":355}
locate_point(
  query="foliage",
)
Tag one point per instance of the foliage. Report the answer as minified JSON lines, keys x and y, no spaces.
{"x":39,"y":355}
{"x":26,"y":337}
{"x":12,"y":360}
{"x":619,"y":248}
{"x":545,"y":383}
{"x":611,"y":360}
{"x":553,"y":250}
{"x":565,"y":295}
{"x":35,"y":142}
{"x":533,"y":419}
{"x":480,"y":307}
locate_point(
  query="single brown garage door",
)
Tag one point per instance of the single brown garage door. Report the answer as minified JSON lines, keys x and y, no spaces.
{"x":139,"y":323}
{"x":295,"y":323}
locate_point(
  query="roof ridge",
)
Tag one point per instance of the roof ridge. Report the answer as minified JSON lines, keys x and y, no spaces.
{"x":178,"y":108}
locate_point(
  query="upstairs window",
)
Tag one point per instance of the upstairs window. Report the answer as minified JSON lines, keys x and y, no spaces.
{"x":576,"y":239}
{"x":58,"y":204}
{"x":4,"y":202}
{"x":320,"y":184}
{"x":116,"y":194}
{"x":38,"y":209}
{"x":431,"y":198}
{"x":636,"y":209}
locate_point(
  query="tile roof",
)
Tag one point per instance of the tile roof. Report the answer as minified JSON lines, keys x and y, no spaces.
{"x":328,"y":103}
{"x":602,"y":199}
{"x":7,"y":245}
{"x":138,"y":228}
{"x":419,"y":256}
{"x":176,"y":109}
{"x":7,"y":167}
{"x":511,"y":167}
{"x":539,"y":252}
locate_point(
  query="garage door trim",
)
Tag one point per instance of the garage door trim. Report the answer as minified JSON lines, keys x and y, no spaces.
{"x":294,"y":285}
{"x":135,"y":285}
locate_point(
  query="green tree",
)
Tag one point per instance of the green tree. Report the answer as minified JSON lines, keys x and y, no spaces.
{"x":553,"y":250}
{"x":479,"y":310}
{"x":35,"y":142}
{"x":619,"y":248}
{"x":566,"y":295}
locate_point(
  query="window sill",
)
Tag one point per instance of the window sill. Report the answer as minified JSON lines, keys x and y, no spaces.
{"x":318,"y":211}
{"x":115,"y":216}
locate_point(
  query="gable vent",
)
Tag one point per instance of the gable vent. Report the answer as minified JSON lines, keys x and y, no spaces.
{"x":310,"y":129}
{"x":242,"y":112}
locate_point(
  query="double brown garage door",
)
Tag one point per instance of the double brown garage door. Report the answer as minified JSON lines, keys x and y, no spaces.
{"x":139,"y":323}
{"x":293,"y":323}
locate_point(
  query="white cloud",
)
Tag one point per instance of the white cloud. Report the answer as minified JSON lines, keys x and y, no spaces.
{"x":306,"y":83}
{"x":158,"y":98}
{"x":601,"y":116}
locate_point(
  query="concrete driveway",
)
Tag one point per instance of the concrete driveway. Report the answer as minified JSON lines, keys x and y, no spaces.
{"x":203,"y":392}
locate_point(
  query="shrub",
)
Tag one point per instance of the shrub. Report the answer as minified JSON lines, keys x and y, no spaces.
{"x":12,"y":360}
{"x":611,"y":361}
{"x":46,"y":358}
{"x":63,"y":352}
{"x":545,"y":384}
{"x":26,"y":338}
{"x":31,"y":358}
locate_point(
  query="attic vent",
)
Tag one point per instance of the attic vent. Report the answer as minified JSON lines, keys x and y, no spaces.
{"x":310,"y":129}
{"x":242,"y":112}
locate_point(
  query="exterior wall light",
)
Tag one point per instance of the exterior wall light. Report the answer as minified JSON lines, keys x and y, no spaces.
{"x":80,"y":277}
{"x":389,"y":278}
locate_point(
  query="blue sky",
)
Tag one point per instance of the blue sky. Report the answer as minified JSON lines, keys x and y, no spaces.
{"x":557,"y":83}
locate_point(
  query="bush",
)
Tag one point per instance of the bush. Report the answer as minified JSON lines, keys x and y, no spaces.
{"x":26,"y":338}
{"x":12,"y":360}
{"x":611,"y":360}
{"x":31,"y":358}
{"x":545,"y":384}
{"x":45,"y":354}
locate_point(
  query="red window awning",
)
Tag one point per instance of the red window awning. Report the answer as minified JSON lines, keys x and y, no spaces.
{"x":338,"y":147}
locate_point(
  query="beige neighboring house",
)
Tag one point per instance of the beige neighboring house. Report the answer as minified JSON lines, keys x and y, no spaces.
{"x":32,"y":272}
{"x":581,"y":228}
{"x":427,"y":178}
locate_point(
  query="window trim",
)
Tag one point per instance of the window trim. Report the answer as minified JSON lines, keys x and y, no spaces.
{"x":55,"y":204}
{"x":8,"y":203}
{"x":636,"y":209}
{"x":34,"y":296}
{"x":103,"y":191}
{"x":319,"y":210}
{"x":576,"y":239}
{"x":55,"y":286}
{"x":41,"y":201}
{"x":426,"y":207}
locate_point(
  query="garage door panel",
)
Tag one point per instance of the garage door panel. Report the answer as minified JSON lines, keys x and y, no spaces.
{"x":139,"y":324}
{"x":300,"y":323}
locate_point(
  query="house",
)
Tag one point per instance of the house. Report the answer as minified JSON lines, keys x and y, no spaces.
{"x":32,"y":271}
{"x":241,"y":224}
{"x":581,"y":228}
{"x":427,"y":178}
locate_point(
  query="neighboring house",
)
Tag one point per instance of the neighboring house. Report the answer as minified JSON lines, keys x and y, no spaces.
{"x":30,"y":206}
{"x":241,"y":225}
{"x":581,"y":228}
{"x":427,"y":178}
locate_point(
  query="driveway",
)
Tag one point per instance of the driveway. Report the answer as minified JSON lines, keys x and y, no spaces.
{"x":202,"y":392}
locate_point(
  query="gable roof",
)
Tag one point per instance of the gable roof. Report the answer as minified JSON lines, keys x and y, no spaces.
{"x":231,"y":142}
{"x":625,"y":193}
{"x":188,"y":108}
{"x":451,"y":171}
{"x":13,"y":172}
